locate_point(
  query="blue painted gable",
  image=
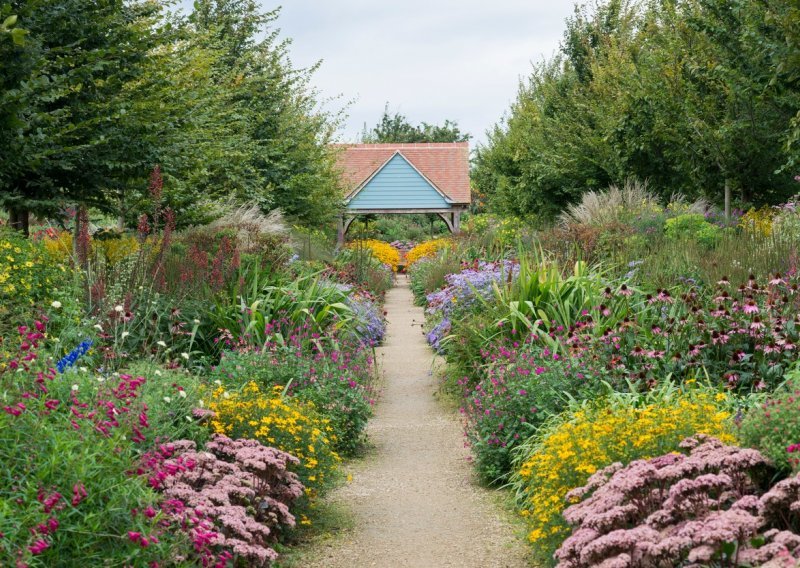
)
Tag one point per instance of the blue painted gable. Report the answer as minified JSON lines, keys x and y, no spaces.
{"x":397,"y":186}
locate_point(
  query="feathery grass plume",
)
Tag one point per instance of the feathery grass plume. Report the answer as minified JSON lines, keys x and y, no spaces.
{"x":615,"y":204}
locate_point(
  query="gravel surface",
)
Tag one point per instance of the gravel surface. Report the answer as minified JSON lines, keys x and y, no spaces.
{"x":415,"y":501}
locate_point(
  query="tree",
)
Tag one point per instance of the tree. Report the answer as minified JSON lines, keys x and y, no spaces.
{"x":397,"y":128}
{"x":696,"y":96}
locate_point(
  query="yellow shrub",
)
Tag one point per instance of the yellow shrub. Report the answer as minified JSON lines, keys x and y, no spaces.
{"x":382,"y":251}
{"x":428,"y":248}
{"x":571,"y":447}
{"x":283,"y":423}
{"x":758,"y":221}
{"x":59,"y":247}
{"x":117,"y":249}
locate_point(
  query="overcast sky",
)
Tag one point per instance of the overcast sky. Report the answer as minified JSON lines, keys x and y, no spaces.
{"x":429,"y":59}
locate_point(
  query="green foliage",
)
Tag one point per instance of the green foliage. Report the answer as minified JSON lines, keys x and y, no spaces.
{"x":692,"y":96}
{"x":100,"y":92}
{"x":773,"y":427}
{"x":396,"y":128}
{"x":541,"y":293}
{"x":336,"y":387}
{"x":428,"y":274}
{"x":255,"y":302}
{"x":694,"y":227}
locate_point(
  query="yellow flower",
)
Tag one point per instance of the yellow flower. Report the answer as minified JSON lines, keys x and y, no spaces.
{"x":383,"y":252}
{"x":567,"y":452}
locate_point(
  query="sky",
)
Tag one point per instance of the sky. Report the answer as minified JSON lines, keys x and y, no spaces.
{"x":431,"y":60}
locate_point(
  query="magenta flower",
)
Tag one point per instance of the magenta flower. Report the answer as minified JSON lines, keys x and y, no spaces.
{"x":38,"y":547}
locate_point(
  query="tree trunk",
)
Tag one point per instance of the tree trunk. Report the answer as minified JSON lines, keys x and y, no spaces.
{"x":727,"y":199}
{"x":19,"y":219}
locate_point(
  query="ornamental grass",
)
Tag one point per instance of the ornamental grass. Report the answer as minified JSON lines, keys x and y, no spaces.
{"x":572,"y":446}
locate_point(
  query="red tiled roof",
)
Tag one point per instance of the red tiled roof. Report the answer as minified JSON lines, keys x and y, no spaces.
{"x":446,"y":165}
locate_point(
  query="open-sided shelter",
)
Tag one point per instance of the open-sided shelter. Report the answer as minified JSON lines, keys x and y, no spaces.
{"x":404,"y":179}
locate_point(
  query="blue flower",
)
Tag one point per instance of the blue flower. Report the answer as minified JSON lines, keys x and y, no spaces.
{"x":71,"y":358}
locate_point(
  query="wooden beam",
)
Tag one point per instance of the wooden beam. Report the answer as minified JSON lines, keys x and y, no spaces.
{"x":402,"y":211}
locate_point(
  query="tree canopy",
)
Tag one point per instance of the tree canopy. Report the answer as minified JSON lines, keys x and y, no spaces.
{"x":99,"y":93}
{"x":397,"y":128}
{"x":692,"y":95}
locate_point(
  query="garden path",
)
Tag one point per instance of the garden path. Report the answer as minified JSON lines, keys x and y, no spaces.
{"x":415,"y":500}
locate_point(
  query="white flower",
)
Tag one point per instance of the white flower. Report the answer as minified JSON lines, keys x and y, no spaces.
{"x":196,"y":321}
{"x":74,"y":387}
{"x":182,"y":393}
{"x":189,"y":418}
{"x":167,"y":399}
{"x":56,"y":304}
{"x":226,"y":395}
{"x":125,"y":334}
{"x":161,"y":343}
{"x":84,"y":369}
{"x":119,"y":309}
{"x":101,"y":379}
{"x":185,"y":356}
{"x":157,"y":373}
{"x":98,"y":326}
{"x":218,"y":382}
{"x":201,"y":403}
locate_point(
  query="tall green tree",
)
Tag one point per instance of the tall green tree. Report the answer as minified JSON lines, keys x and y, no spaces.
{"x":397,"y":128}
{"x":697,"y":96}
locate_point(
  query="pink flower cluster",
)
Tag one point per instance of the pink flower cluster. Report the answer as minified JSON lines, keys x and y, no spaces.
{"x":701,"y":509}
{"x":232,"y":499}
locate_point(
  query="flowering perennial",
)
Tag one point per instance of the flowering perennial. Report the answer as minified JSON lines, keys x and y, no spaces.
{"x":572,"y":447}
{"x":700,"y":509}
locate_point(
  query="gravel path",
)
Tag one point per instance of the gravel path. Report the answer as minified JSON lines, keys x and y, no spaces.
{"x":415,"y":501}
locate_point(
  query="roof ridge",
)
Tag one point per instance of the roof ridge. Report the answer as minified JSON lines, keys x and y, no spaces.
{"x":396,"y":145}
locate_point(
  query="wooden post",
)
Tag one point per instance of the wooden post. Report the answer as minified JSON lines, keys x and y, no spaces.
{"x":457,"y":221}
{"x":340,"y":232}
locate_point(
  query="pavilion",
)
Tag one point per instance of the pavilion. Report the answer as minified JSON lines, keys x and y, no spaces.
{"x":404,"y":179}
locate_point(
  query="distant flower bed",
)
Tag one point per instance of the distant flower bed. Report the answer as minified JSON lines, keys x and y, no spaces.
{"x":426,"y":249}
{"x":382,"y":251}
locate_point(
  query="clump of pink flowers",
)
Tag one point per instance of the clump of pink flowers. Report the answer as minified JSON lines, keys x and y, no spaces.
{"x":707,"y":508}
{"x":233,"y":499}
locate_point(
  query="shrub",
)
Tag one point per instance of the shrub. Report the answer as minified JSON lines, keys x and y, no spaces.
{"x":694,"y":227}
{"x":336,"y":381}
{"x":289,"y":425}
{"x":572,"y":446}
{"x":384,"y":252}
{"x":522,"y":386}
{"x":706,"y":508}
{"x":68,"y":444}
{"x":29,"y":280}
{"x":773,"y":427}
{"x":426,"y":249}
{"x":235,"y":495}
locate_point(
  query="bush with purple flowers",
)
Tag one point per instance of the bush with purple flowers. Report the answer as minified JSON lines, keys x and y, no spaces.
{"x":462,"y":292}
{"x":522,"y":386}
